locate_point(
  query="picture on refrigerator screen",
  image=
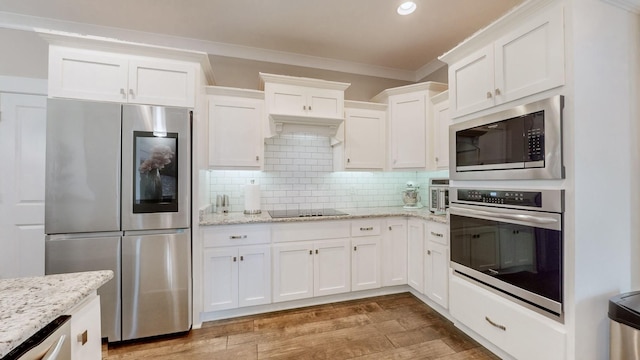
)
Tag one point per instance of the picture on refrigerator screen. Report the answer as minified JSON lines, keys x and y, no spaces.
{"x":156,"y":168}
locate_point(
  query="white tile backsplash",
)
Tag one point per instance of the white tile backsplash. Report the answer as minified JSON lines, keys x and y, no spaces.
{"x":298,"y":174}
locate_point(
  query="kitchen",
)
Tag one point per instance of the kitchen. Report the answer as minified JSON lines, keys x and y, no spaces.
{"x":598,"y":71}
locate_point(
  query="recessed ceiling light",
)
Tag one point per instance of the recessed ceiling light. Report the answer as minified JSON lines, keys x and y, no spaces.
{"x":406,"y":8}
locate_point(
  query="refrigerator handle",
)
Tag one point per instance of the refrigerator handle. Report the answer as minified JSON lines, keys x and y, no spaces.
{"x":154,"y":232}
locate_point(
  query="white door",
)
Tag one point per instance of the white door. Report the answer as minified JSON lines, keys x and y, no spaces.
{"x":416,"y":254}
{"x":408,"y":131}
{"x":254,"y":287}
{"x":220,"y":279}
{"x":365,"y":263}
{"x":292,"y":271}
{"x":332,"y":270}
{"x":22,"y":155}
{"x":364,"y":139}
{"x":437,"y":273}
{"x":394,"y":253}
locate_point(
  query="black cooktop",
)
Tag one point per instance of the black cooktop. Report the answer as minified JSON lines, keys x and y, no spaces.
{"x":305,"y":213}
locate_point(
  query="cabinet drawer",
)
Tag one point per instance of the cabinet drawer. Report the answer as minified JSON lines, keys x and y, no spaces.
{"x":365,"y":228}
{"x":438,"y":233}
{"x":516,"y":330}
{"x":230,"y":235}
{"x":311,"y":230}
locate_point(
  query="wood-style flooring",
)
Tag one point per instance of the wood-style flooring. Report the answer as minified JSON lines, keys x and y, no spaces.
{"x":387,"y":327}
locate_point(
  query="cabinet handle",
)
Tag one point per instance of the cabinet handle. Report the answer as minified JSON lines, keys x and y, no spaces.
{"x":241,"y":258}
{"x":316,"y":251}
{"x":83,"y":338}
{"x":436,"y":234}
{"x":235,"y":237}
{"x":501,"y":327}
{"x":437,"y":159}
{"x":310,"y":252}
{"x":235,"y":259}
{"x":390,"y":228}
{"x":133,"y":95}
{"x":355,"y":248}
{"x":257,"y":158}
{"x":366,"y":229}
{"x":489,"y":95}
{"x":124,"y":94}
{"x":309,"y":107}
{"x":428,"y":252}
{"x":348,"y":160}
{"x":304,"y":107}
{"x":497,"y":91}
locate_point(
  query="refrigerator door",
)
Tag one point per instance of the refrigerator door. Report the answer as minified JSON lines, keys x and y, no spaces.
{"x":156,"y":283}
{"x":82,"y":190}
{"x":156,"y":167}
{"x":89,"y":252}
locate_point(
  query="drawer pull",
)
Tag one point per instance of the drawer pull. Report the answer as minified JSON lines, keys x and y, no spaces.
{"x":436,"y":234}
{"x":235,"y":237}
{"x":83,"y":338}
{"x":366,"y":229}
{"x":501,"y":327}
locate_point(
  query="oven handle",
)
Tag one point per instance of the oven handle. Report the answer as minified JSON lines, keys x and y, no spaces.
{"x":519,"y":217}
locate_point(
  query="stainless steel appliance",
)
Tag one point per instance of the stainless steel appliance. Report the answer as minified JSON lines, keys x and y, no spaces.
{"x":118,"y":198}
{"x":283,"y":214}
{"x":52,"y":342}
{"x":524,"y":142}
{"x":510,"y":241}
{"x":438,"y":196}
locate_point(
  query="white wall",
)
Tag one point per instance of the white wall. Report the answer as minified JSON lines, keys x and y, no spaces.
{"x":24,"y":54}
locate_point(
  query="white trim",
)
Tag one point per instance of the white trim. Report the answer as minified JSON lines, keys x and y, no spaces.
{"x":629,"y":5}
{"x":428,"y":69}
{"x":23,"y":85}
{"x":30,"y":23}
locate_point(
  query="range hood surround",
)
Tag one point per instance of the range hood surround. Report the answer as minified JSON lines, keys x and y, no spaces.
{"x":292,"y":124}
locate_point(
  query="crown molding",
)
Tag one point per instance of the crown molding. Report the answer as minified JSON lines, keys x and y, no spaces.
{"x":31,"y":23}
{"x":629,"y":5}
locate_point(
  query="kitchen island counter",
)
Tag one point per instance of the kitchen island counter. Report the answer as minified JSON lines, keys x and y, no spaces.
{"x":355,"y":213}
{"x":28,"y":304}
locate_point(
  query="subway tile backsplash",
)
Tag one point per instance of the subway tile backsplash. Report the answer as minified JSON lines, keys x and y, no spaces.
{"x":298,"y":174}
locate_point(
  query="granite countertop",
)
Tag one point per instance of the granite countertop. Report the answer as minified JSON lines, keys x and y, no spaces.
{"x":355,"y":213}
{"x":28,"y":304}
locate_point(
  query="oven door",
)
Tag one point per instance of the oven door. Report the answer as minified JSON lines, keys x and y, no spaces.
{"x":517,"y":252}
{"x":156,"y":166}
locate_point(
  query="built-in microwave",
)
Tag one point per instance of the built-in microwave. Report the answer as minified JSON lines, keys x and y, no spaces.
{"x":524,"y":142}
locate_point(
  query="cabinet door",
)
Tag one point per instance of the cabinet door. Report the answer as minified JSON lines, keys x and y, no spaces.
{"x":437,"y":273}
{"x":394,"y":253}
{"x":441,"y":121}
{"x":254,"y":287}
{"x":364,"y":139}
{"x":286,"y":99}
{"x":471,"y":83}
{"x":234,"y":132}
{"x":86,"y":74}
{"x":220,"y":279}
{"x":292,"y":271}
{"x":408,"y":130}
{"x":324,"y":102}
{"x":86,"y":339}
{"x":365,"y":263}
{"x":332,"y":269}
{"x":416,"y":254}
{"x":531,"y":58}
{"x":161,"y":83}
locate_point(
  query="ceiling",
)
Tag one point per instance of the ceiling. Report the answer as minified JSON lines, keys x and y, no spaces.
{"x":357,"y":36}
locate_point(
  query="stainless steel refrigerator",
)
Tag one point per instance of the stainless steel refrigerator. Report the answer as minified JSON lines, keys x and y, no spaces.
{"x":118,"y":197}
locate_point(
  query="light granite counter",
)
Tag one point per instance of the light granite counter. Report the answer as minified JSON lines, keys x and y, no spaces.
{"x":356,"y":213}
{"x":28,"y":304}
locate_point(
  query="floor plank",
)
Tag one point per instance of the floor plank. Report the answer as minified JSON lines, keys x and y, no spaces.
{"x":395,"y":327}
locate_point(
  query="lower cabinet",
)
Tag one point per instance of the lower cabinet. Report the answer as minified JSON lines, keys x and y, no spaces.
{"x":415,"y":239}
{"x":237,"y":277}
{"x":520,"y":332}
{"x":86,"y":336}
{"x":394,"y":253}
{"x":436,"y":285}
{"x":311,"y":268}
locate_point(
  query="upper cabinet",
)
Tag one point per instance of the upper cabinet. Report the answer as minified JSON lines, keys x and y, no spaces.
{"x":364,"y":137}
{"x":108,"y":70}
{"x":296,"y":104}
{"x":440,"y":133}
{"x":236,"y":119}
{"x":410,"y":119}
{"x":526,"y":60}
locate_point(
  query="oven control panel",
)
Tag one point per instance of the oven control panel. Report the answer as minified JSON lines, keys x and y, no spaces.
{"x":502,"y":197}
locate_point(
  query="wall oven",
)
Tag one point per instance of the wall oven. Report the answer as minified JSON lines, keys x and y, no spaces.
{"x":511,"y":242}
{"x":524,"y":142}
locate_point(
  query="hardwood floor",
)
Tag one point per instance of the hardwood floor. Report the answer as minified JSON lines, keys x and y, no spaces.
{"x":386,"y":327}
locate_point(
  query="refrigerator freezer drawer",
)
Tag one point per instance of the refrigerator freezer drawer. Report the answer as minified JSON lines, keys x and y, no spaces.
{"x":66,"y":254}
{"x":156,"y":284}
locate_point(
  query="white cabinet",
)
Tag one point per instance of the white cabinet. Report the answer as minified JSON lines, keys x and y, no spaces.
{"x":236,"y":120}
{"x":415,"y":239}
{"x":394,"y":253}
{"x":109,"y":76}
{"x":366,"y":242}
{"x":86,"y":336}
{"x":520,"y":332}
{"x":440,"y":134}
{"x":437,"y":264}
{"x":526,"y":60}
{"x":237,"y":267}
{"x":409,"y":117}
{"x":305,"y":269}
{"x":364,"y":136}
